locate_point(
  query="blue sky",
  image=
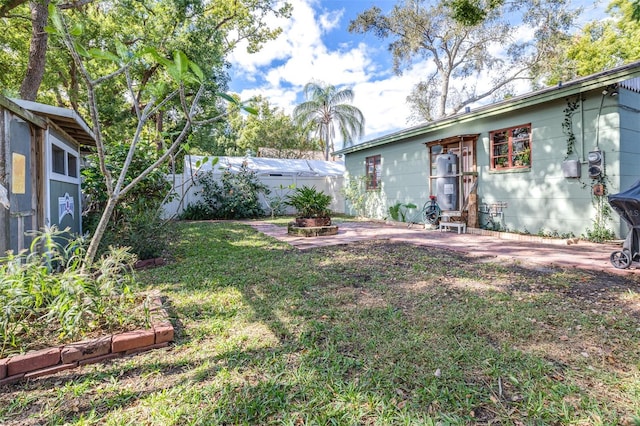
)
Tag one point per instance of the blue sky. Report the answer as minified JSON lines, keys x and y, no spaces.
{"x":315,"y":45}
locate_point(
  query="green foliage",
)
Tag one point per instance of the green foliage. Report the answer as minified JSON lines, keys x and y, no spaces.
{"x":326,"y":108}
{"x":567,"y":125}
{"x":601,"y":231}
{"x":196,"y":211}
{"x":135,"y":221}
{"x":234,"y":195}
{"x":461,"y":30}
{"x":605,"y":43}
{"x":269,"y":128}
{"x":277,"y":200}
{"x":309,"y":202}
{"x":399,"y":211}
{"x":48,"y":289}
{"x":355,"y":193}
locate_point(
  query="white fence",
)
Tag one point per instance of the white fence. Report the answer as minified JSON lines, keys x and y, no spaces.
{"x":187,"y":191}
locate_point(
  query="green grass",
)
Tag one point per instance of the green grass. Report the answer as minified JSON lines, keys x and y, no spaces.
{"x":369,"y":333}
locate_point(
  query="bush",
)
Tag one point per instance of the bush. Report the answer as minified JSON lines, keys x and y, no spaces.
{"x":136,"y":220}
{"x":309,"y":202}
{"x":49,"y":291}
{"x":233,"y":196}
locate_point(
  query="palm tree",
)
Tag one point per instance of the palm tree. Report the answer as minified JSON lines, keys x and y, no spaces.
{"x":325,"y":108}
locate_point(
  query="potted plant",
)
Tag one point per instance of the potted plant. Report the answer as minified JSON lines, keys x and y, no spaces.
{"x":501,"y":162}
{"x":312,"y":206}
{"x":523,"y":158}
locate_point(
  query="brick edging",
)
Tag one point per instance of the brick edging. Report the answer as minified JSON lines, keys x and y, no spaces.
{"x":52,"y":360}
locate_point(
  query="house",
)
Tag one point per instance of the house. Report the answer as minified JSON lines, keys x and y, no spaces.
{"x":39,"y":170}
{"x":542,"y":162}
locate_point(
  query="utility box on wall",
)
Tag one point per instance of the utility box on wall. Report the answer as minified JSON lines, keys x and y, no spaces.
{"x":571,"y":168}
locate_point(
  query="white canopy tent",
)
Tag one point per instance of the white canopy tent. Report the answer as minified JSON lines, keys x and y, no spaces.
{"x":266,"y":166}
{"x":279,"y":174}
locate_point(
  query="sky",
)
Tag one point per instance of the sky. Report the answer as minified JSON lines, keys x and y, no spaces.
{"x":315,"y":44}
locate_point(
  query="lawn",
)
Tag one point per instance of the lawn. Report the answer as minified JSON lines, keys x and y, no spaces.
{"x":368,"y":333}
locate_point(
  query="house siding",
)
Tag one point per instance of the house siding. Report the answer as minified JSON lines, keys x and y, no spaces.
{"x":629,"y":156}
{"x":403,"y":177}
{"x":539,"y":198}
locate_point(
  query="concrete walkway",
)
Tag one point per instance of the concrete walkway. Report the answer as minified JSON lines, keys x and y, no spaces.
{"x":528,"y":249}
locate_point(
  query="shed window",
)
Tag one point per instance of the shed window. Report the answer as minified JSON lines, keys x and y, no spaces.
{"x":72,"y":165}
{"x":511,"y":148}
{"x":64,"y":163}
{"x":373,"y":171}
{"x":57,"y":160}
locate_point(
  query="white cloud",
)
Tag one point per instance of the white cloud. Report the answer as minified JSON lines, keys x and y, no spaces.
{"x":301,"y":54}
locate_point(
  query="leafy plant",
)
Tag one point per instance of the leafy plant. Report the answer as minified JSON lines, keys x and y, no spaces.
{"x":135,"y":221}
{"x":48,"y":288}
{"x":309,"y":202}
{"x":567,"y":125}
{"x":235,"y":195}
{"x":277,"y":202}
{"x":601,"y":231}
{"x":399,"y":211}
{"x":354,"y":192}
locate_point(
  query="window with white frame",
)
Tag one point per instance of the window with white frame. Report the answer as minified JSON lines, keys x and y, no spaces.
{"x":64,"y":162}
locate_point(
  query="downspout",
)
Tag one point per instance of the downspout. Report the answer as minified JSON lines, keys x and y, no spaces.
{"x":582,"y":158}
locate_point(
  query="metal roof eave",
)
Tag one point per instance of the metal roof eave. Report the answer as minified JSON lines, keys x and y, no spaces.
{"x":574,"y":87}
{"x":66,"y":119}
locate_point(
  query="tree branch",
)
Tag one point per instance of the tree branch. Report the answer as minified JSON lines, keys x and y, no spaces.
{"x":9,"y":5}
{"x":74,"y":4}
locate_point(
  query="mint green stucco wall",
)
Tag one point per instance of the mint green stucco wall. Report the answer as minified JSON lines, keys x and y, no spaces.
{"x":540,"y":198}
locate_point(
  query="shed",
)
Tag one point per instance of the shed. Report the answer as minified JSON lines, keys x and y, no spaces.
{"x":39,"y":170}
{"x":541,"y":162}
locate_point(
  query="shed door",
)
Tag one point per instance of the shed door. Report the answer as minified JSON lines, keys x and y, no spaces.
{"x":22,"y":209}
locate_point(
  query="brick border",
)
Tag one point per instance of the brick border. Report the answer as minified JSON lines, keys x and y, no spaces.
{"x":52,"y":360}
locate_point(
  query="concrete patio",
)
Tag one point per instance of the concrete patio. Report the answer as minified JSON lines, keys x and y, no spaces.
{"x":512,"y":247}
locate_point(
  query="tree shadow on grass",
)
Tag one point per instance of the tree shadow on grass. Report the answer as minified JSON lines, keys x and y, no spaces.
{"x":375,"y":331}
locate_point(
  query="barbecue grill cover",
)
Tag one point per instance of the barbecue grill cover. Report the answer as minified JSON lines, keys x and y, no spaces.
{"x":627,"y":204}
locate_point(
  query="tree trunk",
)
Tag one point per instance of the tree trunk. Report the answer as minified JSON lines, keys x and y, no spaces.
{"x":37,"y":50}
{"x":89,"y":257}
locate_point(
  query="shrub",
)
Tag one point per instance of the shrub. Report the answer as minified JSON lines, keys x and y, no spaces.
{"x":309,"y":202}
{"x":48,"y":289}
{"x":233,"y":196}
{"x":136,"y":220}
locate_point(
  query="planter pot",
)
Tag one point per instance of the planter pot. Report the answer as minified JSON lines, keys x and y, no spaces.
{"x":306,"y":222}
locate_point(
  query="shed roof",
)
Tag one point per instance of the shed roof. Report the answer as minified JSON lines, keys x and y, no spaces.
{"x":66,"y":119}
{"x":270,"y":166}
{"x":628,"y":73}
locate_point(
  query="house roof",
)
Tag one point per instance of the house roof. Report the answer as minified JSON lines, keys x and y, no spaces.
{"x":65,"y":119}
{"x":269,"y":166}
{"x":628,"y":73}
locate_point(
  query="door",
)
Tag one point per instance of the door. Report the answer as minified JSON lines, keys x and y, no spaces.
{"x":22,"y":210}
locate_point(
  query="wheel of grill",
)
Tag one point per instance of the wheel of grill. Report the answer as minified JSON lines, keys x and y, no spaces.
{"x":621,"y":259}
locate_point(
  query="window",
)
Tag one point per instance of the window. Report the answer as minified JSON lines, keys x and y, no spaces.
{"x":57,"y":160}
{"x":511,"y":148}
{"x":72,"y":164}
{"x":373,"y":171}
{"x":64,"y":162}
